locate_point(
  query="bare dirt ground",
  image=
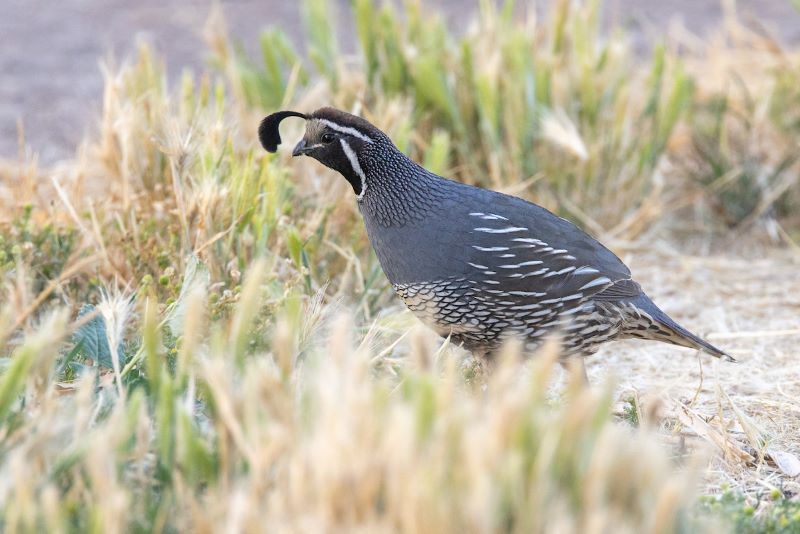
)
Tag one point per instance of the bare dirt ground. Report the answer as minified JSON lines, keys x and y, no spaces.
{"x":749,"y":307}
{"x":50,"y":51}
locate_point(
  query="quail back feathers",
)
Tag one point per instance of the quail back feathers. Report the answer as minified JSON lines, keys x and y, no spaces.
{"x":475,"y":264}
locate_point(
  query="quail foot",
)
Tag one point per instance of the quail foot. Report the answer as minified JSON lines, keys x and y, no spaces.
{"x":478,"y":265}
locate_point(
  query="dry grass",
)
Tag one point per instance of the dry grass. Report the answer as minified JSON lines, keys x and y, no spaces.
{"x":750,"y":307}
{"x":216,"y":386}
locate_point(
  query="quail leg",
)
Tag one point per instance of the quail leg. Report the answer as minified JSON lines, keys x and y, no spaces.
{"x":569,"y":364}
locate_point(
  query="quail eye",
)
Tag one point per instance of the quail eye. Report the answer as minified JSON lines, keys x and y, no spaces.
{"x":328,"y":138}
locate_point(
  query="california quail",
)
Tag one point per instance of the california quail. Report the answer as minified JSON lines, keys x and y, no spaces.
{"x":478,"y":265}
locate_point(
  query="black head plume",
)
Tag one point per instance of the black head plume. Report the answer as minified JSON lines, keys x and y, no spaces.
{"x":268,"y":132}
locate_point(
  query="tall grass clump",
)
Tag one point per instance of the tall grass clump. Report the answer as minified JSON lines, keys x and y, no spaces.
{"x":557,"y":109}
{"x":215,"y":424}
{"x":510,"y":103}
{"x":741,"y":140}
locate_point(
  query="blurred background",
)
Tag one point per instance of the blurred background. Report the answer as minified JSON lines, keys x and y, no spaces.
{"x":50,"y":51}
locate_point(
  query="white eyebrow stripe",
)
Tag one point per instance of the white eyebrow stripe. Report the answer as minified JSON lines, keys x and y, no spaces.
{"x":351,"y":156}
{"x":345,"y":130}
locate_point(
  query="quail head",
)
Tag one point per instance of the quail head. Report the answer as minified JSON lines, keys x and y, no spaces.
{"x":478,"y":265}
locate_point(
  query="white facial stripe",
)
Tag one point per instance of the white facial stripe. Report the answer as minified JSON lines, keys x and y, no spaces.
{"x":351,"y":156}
{"x":345,"y":129}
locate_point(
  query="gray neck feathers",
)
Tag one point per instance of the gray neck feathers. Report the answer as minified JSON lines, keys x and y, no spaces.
{"x":399,"y":191}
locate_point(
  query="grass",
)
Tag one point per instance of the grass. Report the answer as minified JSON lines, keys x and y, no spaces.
{"x":778,"y":514}
{"x":562,"y":110}
{"x":194,"y":334}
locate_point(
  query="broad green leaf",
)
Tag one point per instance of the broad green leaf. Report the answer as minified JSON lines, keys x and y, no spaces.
{"x":93,"y":340}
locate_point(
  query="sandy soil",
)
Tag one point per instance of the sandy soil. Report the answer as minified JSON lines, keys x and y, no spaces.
{"x":748,"y":307}
{"x":50,"y":51}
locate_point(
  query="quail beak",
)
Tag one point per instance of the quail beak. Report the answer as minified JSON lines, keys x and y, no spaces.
{"x":301,"y":149}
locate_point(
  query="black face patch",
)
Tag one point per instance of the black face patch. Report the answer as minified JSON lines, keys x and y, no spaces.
{"x":333,"y":156}
{"x":268,"y":132}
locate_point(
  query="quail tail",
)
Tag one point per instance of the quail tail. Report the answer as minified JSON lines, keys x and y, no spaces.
{"x":670,"y":331}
